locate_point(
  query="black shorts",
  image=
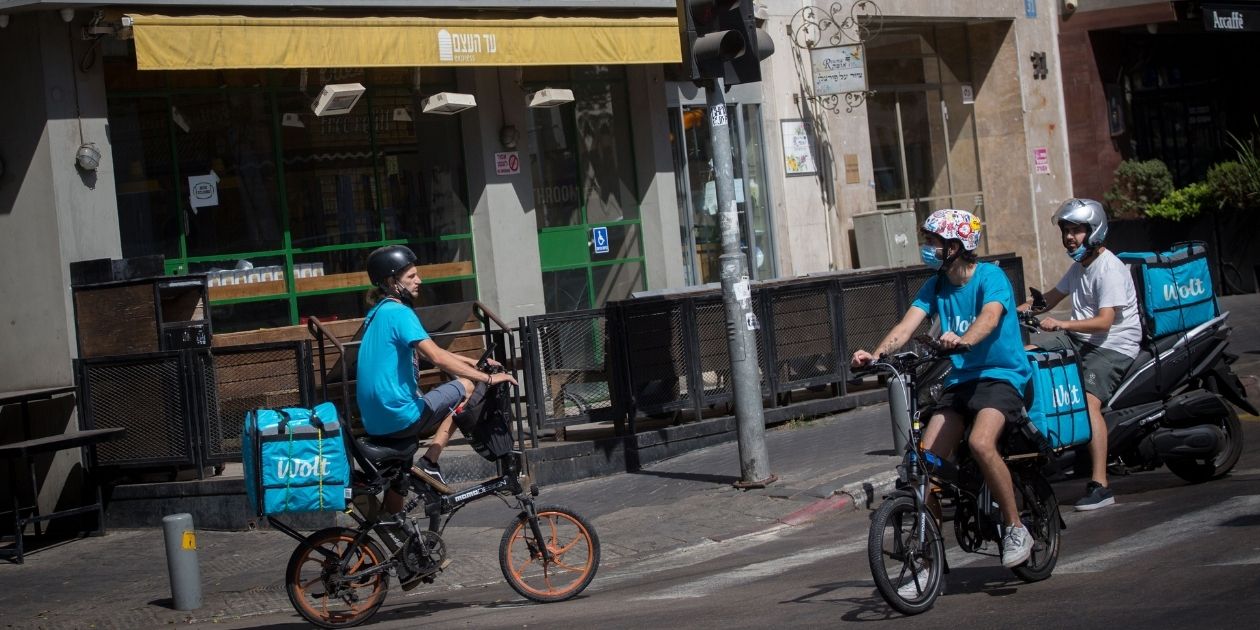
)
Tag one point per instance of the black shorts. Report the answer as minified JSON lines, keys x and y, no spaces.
{"x":970,"y":397}
{"x":439,"y":402}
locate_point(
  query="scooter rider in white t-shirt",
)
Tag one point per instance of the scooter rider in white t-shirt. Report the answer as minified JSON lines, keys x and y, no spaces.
{"x":1105,"y":320}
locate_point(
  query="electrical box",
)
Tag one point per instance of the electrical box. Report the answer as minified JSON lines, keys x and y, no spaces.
{"x":887,"y":239}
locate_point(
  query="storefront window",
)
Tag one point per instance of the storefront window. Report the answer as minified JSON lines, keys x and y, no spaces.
{"x":230,"y":174}
{"x":148,"y":216}
{"x":227,"y":165}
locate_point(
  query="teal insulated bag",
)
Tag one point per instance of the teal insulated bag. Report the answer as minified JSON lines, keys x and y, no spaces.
{"x":1059,"y":411}
{"x":1175,"y":288}
{"x":295,"y":460}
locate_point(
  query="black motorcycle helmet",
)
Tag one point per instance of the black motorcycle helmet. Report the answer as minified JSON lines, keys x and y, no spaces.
{"x":386,"y":262}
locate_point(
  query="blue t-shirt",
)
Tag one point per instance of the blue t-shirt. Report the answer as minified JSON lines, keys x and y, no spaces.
{"x":388,"y":392}
{"x":1001,"y":354}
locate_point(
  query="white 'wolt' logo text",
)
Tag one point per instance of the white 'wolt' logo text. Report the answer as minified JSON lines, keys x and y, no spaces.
{"x":295,"y":468}
{"x":1188,"y":290}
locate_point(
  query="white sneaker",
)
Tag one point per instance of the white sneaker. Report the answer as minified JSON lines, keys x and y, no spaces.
{"x":916,"y":584}
{"x":1017,"y":545}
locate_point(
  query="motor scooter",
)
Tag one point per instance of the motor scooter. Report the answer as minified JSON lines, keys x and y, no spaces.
{"x":1172,"y":406}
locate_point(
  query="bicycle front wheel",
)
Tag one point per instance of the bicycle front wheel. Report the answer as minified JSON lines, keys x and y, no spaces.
{"x":574,"y":548}
{"x":908,"y":573}
{"x":322,"y":593}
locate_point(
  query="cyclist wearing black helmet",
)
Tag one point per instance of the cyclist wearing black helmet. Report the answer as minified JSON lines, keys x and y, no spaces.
{"x":1104,"y":319}
{"x":394,"y":342}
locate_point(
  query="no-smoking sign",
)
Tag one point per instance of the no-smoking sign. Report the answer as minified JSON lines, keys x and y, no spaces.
{"x":507,"y":163}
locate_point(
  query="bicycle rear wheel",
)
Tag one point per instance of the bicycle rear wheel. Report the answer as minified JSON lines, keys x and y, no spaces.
{"x":574,"y":547}
{"x":908,"y":574}
{"x":321,"y":593}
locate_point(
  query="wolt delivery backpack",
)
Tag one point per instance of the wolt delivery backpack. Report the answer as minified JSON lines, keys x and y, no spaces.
{"x":295,"y":460}
{"x":1174,"y":287}
{"x":1059,"y":411}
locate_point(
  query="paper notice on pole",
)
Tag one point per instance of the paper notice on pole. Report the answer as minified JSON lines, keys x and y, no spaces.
{"x":742,"y":291}
{"x":750,"y":320}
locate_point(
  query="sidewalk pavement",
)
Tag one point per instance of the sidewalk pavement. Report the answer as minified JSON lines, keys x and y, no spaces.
{"x":833,"y":463}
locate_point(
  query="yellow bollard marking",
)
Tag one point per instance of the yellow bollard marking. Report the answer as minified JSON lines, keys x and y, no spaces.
{"x":190,"y":541}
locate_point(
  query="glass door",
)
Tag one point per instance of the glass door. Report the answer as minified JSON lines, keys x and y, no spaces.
{"x":697,"y":192}
{"x":921,"y":118}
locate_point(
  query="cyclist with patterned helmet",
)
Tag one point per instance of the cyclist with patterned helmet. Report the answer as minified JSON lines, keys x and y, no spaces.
{"x":1104,"y":319}
{"x":975,"y":306}
{"x":387,"y":379}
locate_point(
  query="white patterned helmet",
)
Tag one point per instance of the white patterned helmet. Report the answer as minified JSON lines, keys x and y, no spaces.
{"x":952,"y":224}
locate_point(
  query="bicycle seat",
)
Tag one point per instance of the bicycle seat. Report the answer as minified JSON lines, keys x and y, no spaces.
{"x":382,"y":450}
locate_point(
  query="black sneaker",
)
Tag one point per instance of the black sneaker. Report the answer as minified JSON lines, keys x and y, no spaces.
{"x":1096,"y":496}
{"x":431,"y":469}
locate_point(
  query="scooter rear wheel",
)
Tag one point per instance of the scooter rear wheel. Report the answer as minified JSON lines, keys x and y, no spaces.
{"x":1198,"y":471}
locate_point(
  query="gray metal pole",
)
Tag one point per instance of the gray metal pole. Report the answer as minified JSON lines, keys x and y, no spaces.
{"x":181,"y":561}
{"x":741,"y":322}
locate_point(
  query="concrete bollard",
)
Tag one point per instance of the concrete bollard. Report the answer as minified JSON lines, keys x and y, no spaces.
{"x":181,"y":561}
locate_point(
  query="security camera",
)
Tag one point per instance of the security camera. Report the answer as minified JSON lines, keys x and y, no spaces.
{"x":1069,"y":6}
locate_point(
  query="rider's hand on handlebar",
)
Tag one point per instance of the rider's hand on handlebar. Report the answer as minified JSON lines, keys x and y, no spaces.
{"x":861,"y":358}
{"x":1050,"y":324}
{"x":501,"y":377}
{"x":949,"y":341}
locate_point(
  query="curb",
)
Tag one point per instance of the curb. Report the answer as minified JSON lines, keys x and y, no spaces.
{"x":868,"y":492}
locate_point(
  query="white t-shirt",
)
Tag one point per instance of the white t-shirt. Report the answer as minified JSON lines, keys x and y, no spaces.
{"x":1105,"y":282}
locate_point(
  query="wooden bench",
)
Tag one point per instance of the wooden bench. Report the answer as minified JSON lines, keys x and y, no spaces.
{"x":26,"y":449}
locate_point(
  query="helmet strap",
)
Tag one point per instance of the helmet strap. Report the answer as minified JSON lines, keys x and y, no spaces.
{"x":393,"y":290}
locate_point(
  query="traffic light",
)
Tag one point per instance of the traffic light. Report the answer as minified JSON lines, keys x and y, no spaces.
{"x":720,"y":39}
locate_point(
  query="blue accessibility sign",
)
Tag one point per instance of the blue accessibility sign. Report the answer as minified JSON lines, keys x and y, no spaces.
{"x":600,"y":236}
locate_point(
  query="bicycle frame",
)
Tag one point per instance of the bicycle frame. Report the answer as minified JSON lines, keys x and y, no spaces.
{"x":509,"y":482}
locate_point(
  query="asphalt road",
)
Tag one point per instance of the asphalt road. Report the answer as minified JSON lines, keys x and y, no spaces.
{"x":1168,"y":554}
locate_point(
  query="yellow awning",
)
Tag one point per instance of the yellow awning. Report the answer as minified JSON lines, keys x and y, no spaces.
{"x":165,"y":42}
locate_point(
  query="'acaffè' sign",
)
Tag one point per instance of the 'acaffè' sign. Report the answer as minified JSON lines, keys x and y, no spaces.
{"x":1231,"y":18}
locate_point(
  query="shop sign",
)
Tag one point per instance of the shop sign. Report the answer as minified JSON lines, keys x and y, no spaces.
{"x":1041,"y":161}
{"x":838,"y":69}
{"x":600,"y":238}
{"x":1230,"y":18}
{"x":507,"y":163}
{"x":465,"y":47}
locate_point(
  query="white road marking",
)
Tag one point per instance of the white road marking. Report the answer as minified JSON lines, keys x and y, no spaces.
{"x":701,"y":588}
{"x":1192,"y":525}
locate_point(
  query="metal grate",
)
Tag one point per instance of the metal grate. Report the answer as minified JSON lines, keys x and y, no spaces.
{"x":239,"y":380}
{"x":574,"y":358}
{"x":870,"y":310}
{"x":656,"y":349}
{"x":714,"y":349}
{"x":804,"y":339}
{"x":147,"y":397}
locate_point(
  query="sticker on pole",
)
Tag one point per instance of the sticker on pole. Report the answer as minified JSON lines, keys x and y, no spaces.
{"x":190,"y":541}
{"x":717,"y":116}
{"x":507,"y":163}
{"x":599,"y":236}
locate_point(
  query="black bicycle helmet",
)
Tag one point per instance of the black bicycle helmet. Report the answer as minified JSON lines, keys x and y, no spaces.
{"x":386,"y":262}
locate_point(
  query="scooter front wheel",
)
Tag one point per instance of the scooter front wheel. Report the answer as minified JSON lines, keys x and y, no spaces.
{"x":1198,"y":471}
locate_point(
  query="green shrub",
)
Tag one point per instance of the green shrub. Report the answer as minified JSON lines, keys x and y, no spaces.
{"x":1232,"y":186}
{"x":1250,"y":169}
{"x":1137,"y":185}
{"x":1183,"y":203}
